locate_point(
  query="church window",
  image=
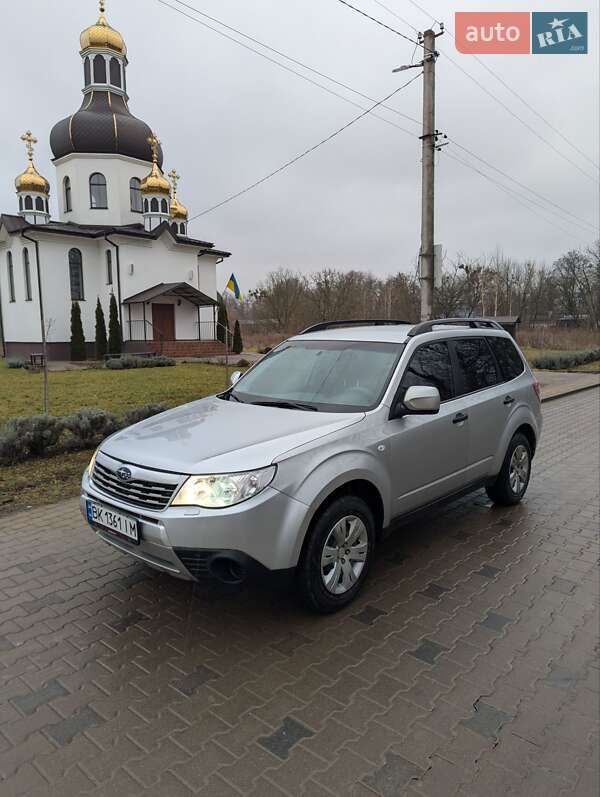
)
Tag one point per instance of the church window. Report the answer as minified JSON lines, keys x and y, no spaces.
{"x":135,"y":195}
{"x":109,"y":267}
{"x":76,"y":275}
{"x":26,"y":275}
{"x":99,"y":69}
{"x":174,"y":228}
{"x":145,"y":205}
{"x":87,"y":76}
{"x":98,"y":195}
{"x":67,"y":192}
{"x":115,"y":72}
{"x":154,"y":205}
{"x":46,"y":203}
{"x":20,"y":203}
{"x":11,"y":277}
{"x":182,"y":228}
{"x":163,"y":206}
{"x":28,"y":203}
{"x":39,"y":203}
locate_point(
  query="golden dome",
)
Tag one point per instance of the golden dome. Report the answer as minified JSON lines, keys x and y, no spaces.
{"x":178,"y":211}
{"x":102,"y":35}
{"x":156,"y":182}
{"x":31,"y":179}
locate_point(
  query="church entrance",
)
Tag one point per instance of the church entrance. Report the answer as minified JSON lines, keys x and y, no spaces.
{"x":163,"y":321}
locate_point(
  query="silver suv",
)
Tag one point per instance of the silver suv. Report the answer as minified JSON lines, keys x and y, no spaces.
{"x":312,"y":454}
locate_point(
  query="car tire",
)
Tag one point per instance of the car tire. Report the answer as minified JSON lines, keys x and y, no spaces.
{"x":337,"y":554}
{"x":512,"y":481}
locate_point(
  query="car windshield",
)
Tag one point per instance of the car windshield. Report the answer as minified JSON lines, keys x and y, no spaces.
{"x":330,"y":376}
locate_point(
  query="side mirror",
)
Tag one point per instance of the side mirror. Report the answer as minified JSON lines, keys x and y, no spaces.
{"x":234,"y":377}
{"x":419,"y":400}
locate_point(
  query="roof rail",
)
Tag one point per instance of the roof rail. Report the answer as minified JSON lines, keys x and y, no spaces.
{"x":360,"y":322}
{"x":473,"y":323}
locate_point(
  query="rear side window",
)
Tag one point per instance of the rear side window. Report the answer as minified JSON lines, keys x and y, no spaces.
{"x":507,"y":356}
{"x":475,"y":363}
{"x":430,"y":365}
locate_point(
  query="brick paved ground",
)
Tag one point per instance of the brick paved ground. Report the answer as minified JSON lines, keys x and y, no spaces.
{"x":466,"y":668}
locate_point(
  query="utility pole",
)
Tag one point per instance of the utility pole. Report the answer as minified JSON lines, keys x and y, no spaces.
{"x":428,"y":140}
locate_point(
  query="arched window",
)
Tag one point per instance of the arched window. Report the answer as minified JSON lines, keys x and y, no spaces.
{"x":20,"y":203}
{"x":99,"y":69}
{"x":26,"y":275}
{"x":182,"y":228}
{"x":28,"y":203}
{"x":174,"y":228}
{"x":39,"y":203}
{"x":135,"y":195}
{"x":67,"y":194}
{"x":108,"y":267}
{"x":98,"y":195}
{"x":145,"y":205}
{"x":76,"y":275}
{"x":46,"y":203}
{"x":11,"y":277}
{"x":87,"y":77}
{"x":164,"y":208}
{"x":154,"y":205}
{"x":115,"y":72}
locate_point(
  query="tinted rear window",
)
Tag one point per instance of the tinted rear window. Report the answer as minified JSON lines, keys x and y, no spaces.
{"x":476,"y":366}
{"x":430,"y":365}
{"x":508,"y":357}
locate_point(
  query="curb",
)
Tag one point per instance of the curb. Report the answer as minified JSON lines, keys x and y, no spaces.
{"x":569,"y":392}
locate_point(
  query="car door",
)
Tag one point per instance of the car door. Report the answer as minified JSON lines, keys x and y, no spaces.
{"x":427,"y":453}
{"x":478,"y":382}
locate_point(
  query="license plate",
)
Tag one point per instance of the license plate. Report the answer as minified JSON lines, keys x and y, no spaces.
{"x":105,"y":518}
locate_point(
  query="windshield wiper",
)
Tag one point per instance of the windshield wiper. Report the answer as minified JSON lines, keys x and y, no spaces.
{"x":286,"y":405}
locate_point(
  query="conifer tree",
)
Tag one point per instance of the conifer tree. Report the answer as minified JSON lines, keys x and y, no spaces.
{"x":101,"y":341}
{"x":114,"y":328}
{"x":77,"y":337}
{"x":238,"y":343}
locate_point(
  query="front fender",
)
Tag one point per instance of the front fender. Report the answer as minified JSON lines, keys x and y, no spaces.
{"x":520,"y":416}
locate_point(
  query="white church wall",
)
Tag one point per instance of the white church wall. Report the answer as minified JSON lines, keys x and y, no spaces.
{"x":21,"y":315}
{"x":117,"y":169}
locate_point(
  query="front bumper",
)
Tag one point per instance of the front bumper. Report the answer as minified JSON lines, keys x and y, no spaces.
{"x":265,"y":533}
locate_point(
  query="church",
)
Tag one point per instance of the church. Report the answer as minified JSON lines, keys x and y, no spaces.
{"x":121,"y":230}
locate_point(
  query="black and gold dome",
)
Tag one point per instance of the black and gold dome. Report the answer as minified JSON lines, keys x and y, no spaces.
{"x":103,"y":124}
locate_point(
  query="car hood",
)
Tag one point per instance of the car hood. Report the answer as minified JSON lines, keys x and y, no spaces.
{"x":213,"y":435}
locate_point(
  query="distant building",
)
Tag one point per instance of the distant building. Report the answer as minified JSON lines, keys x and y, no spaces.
{"x":121,"y":229}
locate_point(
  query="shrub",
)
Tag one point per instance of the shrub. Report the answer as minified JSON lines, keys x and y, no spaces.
{"x":141,"y":413}
{"x":101,"y":342}
{"x":15,"y":363}
{"x":89,"y":425}
{"x":115,"y":341}
{"x":223,"y":333}
{"x":29,"y":436}
{"x":565,"y":361}
{"x":266,"y":350}
{"x":77,"y":337}
{"x":238,"y":343}
{"x":130,"y":361}
{"x":242,"y":363}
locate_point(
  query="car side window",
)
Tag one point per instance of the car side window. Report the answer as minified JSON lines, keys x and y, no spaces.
{"x":507,"y":357}
{"x":475,"y":364}
{"x":431,"y":366}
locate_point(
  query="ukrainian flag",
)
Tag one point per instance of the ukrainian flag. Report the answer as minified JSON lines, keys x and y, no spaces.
{"x":233,"y":286}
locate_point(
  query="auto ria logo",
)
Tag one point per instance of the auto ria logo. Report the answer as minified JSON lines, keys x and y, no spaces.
{"x":521,"y":32}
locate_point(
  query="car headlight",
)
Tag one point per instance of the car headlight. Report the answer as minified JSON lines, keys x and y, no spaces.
{"x":92,"y":462}
{"x":223,"y":489}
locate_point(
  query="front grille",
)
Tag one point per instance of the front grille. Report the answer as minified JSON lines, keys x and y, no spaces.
{"x":138,"y":492}
{"x":195,"y":561}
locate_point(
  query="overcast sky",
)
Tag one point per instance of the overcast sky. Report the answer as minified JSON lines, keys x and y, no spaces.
{"x":227,"y":117}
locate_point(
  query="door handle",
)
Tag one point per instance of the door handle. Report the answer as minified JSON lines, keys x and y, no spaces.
{"x":508,"y":400}
{"x":460,"y":417}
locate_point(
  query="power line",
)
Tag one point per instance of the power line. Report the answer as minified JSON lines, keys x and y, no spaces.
{"x":379,"y":22}
{"x":506,"y":86}
{"x":287,"y":68}
{"x":520,"y":198}
{"x":306,"y":151}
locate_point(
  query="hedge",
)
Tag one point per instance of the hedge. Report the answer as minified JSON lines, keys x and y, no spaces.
{"x":563,"y":362}
{"x":38,"y":435}
{"x":130,"y":361}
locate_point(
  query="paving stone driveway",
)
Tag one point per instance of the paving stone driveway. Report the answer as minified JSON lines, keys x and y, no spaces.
{"x":468,"y":666}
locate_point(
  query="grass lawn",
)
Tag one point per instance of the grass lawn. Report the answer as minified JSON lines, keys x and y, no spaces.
{"x":117,"y":391}
{"x":44,"y":481}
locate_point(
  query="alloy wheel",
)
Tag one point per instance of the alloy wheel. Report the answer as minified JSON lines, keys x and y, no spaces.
{"x":518,"y":471}
{"x":344,"y":554}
